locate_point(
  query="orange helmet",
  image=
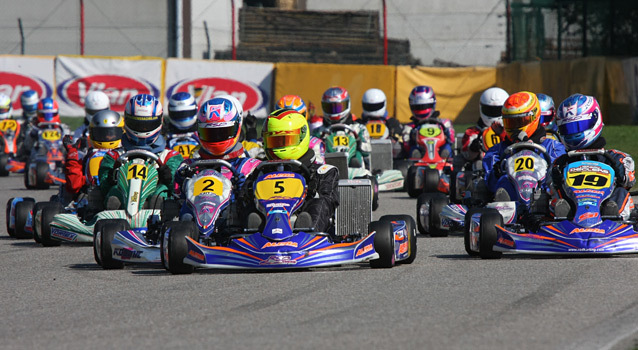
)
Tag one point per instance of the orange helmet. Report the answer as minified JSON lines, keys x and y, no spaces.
{"x":521,"y":115}
{"x":293,"y":102}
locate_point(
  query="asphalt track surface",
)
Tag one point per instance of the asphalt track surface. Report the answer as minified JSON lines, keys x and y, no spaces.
{"x":58,"y":298}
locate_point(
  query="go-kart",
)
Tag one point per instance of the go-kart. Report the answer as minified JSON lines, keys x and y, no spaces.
{"x":526,"y":169}
{"x":430,"y":172}
{"x":342,"y":138}
{"x":587,"y":230}
{"x":45,"y":164}
{"x":9,"y":133}
{"x":384,"y":149}
{"x":279,"y":189}
{"x":184,"y":144}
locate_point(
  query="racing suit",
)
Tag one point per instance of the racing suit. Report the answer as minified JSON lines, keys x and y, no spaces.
{"x":165,"y":185}
{"x":410,"y":137}
{"x":323,"y":192}
{"x":493,"y":158}
{"x":472,"y":143}
{"x":364,"y":147}
{"x":622,"y":164}
{"x":172,"y":135}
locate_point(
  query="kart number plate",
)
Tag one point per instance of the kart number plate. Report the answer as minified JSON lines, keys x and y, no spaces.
{"x":279,"y":188}
{"x":137,"y":171}
{"x":376,"y":129}
{"x":524,"y":164}
{"x":184,"y":150}
{"x":588,"y":179}
{"x":8,"y":124}
{"x":490,"y":138}
{"x":51,"y":135}
{"x":208,"y":185}
{"x":430,"y":131}
{"x":341,"y":140}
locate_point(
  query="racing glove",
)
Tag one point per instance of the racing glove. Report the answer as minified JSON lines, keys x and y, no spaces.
{"x":165,"y":175}
{"x":557,"y":177}
{"x":71,"y":149}
{"x":475,"y":146}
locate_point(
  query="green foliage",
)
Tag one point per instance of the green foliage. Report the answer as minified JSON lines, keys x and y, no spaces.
{"x":72,"y":122}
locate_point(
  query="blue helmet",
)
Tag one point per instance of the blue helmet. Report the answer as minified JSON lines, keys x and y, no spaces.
{"x":548,"y":112}
{"x":29,"y":101}
{"x":182,"y":111}
{"x":579,"y":121}
{"x":143,"y":119}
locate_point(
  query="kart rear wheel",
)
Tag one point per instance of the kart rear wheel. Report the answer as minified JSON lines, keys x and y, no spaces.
{"x":411,"y":181}
{"x":375,"y":193}
{"x":411,"y":226}
{"x":22,"y":211}
{"x":383,"y":244}
{"x":41,"y":174}
{"x":4,"y":160}
{"x":431,"y":180}
{"x":466,"y":231}
{"x":47,"y":213}
{"x":174,"y":247}
{"x":27,"y":170}
{"x":423,"y":213}
{"x":438,"y":201}
{"x":487,"y":234}
{"x":36,"y":208}
{"x":10,"y":231}
{"x":103,"y":234}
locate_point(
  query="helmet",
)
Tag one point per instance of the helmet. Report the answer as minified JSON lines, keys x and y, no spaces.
{"x":219,"y":124}
{"x":182,"y":111}
{"x":335,"y":104}
{"x":106,"y":129}
{"x":29,"y":101}
{"x":94,"y":102}
{"x":548,"y":111}
{"x":374,"y":104}
{"x":286,"y":135}
{"x":491,"y":105}
{"x":422,"y":101}
{"x":5,"y":107}
{"x":579,"y":121}
{"x":48,"y":111}
{"x":143,"y":119}
{"x":293,"y":102}
{"x":521,"y":114}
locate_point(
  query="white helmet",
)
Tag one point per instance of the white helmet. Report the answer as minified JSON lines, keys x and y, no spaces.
{"x":94,"y":102}
{"x":5,"y":107}
{"x":491,"y":105}
{"x":374,"y":104}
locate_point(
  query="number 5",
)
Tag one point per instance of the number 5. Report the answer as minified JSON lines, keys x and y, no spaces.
{"x":279,"y":186}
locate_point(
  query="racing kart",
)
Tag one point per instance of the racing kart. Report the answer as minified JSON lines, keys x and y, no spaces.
{"x":279,"y":189}
{"x":384,"y":150}
{"x":45,"y":164}
{"x":586,"y":231}
{"x":184,"y":144}
{"x":526,"y":168}
{"x":9,"y":134}
{"x":430,"y":172}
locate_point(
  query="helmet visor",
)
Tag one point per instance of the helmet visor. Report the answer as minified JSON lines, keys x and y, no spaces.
{"x":371,"y":107}
{"x":517,"y":121}
{"x":422,"y":107}
{"x":142,"y":124}
{"x":335,"y":107}
{"x":180,"y":116}
{"x":491,"y":111}
{"x":218,"y":133}
{"x":290,"y":138}
{"x":106,"y":134}
{"x":576,"y":127}
{"x":4,"y":110}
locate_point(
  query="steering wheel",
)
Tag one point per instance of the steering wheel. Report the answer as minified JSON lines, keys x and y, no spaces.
{"x":343,"y":127}
{"x":217,"y":164}
{"x":141,"y":154}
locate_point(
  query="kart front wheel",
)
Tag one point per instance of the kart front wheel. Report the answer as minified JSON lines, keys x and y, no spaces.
{"x":36,"y":208}
{"x":174,"y":247}
{"x":375,"y":192}
{"x":466,"y":231}
{"x":4,"y":160}
{"x":411,"y":227}
{"x":383,"y":244}
{"x":22,"y":212}
{"x":45,"y":218}
{"x":431,"y":178}
{"x":411,"y":182}
{"x":10,"y":231}
{"x":437,"y":203}
{"x":103,"y":234}
{"x":41,"y":173}
{"x":487,"y":234}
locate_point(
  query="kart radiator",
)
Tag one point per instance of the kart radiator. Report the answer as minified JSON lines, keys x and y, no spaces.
{"x":381,"y":155}
{"x":355,"y":207}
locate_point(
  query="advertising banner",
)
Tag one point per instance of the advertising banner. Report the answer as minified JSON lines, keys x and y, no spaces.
{"x":249,"y":82}
{"x":119,"y":78}
{"x":457,"y":90}
{"x":309,"y":81}
{"x":21,"y":73}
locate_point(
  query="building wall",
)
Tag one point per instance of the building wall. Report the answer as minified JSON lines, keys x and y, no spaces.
{"x":113,"y":27}
{"x":212,"y":17}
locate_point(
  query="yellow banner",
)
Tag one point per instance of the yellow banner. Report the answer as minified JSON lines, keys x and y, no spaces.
{"x":457,"y":90}
{"x":309,"y":81}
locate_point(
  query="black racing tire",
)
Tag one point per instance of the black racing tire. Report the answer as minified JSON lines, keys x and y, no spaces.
{"x":41,"y":173}
{"x":10,"y":231}
{"x":46,"y":217}
{"x":4,"y":160}
{"x":22,"y":211}
{"x":411,"y":181}
{"x":403,"y":165}
{"x":174,"y":247}
{"x":411,"y":226}
{"x":103,"y":234}
{"x":26,"y":177}
{"x":423,"y":221}
{"x":487,"y":235}
{"x":466,"y":231}
{"x":431,"y":178}
{"x":36,"y":208}
{"x":437,"y":203}
{"x":383,"y":244}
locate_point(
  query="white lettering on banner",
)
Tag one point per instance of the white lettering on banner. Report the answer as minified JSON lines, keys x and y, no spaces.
{"x":14,"y":92}
{"x":116,"y":97}
{"x":209,"y":92}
